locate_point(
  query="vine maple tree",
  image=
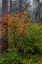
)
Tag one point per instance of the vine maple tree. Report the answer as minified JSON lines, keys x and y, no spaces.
{"x":17,"y":23}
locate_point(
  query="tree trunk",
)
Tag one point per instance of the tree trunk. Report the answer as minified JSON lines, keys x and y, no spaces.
{"x":4,"y":38}
{"x":38,"y":10}
{"x":10,"y":6}
{"x":20,"y":5}
{"x":4,"y":7}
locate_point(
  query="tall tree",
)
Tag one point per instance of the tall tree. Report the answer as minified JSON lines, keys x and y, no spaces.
{"x":4,"y":7}
{"x":38,"y":10}
{"x":4,"y":38}
{"x":10,"y":6}
{"x":23,"y":5}
{"x":20,"y":5}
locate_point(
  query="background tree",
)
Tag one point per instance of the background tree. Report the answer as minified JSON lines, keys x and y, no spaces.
{"x":10,"y":6}
{"x":19,"y":5}
{"x":37,"y":9}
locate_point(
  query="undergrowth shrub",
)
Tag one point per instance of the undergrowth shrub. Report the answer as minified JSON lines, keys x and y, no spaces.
{"x":28,"y":49}
{"x":31,"y":41}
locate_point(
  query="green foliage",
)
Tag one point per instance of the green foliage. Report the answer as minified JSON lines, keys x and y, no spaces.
{"x":35,"y":33}
{"x":11,"y":58}
{"x":32,"y":40}
{"x":28,"y":48}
